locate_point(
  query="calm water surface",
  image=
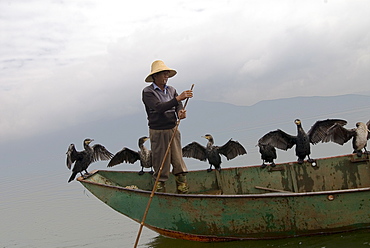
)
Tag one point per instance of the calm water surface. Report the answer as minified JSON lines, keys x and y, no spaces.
{"x":42,"y":210}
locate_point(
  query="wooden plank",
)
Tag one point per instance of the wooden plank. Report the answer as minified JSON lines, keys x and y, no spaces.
{"x":274,"y":190}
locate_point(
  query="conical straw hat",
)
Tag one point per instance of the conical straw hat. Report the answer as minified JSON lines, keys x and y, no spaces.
{"x":158,"y":66}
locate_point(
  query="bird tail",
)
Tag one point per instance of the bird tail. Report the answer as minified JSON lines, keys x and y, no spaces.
{"x":72,"y":176}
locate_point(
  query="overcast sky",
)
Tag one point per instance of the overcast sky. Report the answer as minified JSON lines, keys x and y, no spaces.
{"x":65,"y":62}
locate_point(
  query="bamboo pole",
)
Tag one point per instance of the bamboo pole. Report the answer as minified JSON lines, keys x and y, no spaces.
{"x":157,"y":179}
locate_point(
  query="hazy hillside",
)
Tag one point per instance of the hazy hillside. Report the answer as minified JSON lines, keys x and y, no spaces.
{"x":224,"y":121}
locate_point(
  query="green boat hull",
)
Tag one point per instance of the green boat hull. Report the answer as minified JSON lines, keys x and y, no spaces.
{"x":247,"y":202}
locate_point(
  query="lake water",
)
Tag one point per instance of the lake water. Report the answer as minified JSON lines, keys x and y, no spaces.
{"x":43,"y":210}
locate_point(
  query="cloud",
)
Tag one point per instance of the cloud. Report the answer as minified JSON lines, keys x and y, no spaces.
{"x":67,"y":62}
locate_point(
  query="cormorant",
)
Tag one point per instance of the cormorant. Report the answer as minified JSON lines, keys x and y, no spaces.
{"x":83,"y":159}
{"x":212,"y":153}
{"x":302,"y":140}
{"x":129,"y":156}
{"x":268,"y":154}
{"x":359,"y":135}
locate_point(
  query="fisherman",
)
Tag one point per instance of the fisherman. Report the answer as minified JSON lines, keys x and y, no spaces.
{"x":163,"y":107}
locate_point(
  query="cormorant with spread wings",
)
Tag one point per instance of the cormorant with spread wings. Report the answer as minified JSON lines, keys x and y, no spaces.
{"x":302,"y":140}
{"x":212,"y":153}
{"x":129,"y":156}
{"x":82,"y":159}
{"x":359,"y":135}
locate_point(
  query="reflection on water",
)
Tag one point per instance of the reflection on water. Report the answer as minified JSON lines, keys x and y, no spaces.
{"x":356,"y":239}
{"x":42,"y":210}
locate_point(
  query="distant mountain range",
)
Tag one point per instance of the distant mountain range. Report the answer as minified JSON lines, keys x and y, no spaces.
{"x":245,"y":124}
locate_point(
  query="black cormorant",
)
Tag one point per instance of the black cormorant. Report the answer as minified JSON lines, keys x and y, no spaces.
{"x":268,"y":154}
{"x":83,"y":159}
{"x":212,"y":153}
{"x":129,"y":156}
{"x":302,"y":140}
{"x":359,"y":135}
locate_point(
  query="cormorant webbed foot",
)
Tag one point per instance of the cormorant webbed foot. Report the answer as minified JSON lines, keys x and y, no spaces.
{"x":141,"y":173}
{"x":86,"y":175}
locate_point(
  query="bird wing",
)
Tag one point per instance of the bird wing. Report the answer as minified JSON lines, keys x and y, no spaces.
{"x":194,"y":150}
{"x":101,"y":153}
{"x":339,"y":134}
{"x":125,"y":155}
{"x":72,"y":155}
{"x":278,"y":139}
{"x":368,"y":129}
{"x":318,"y":130}
{"x":231,"y":149}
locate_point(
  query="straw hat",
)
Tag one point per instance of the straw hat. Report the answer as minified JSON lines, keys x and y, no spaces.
{"x":158,"y":66}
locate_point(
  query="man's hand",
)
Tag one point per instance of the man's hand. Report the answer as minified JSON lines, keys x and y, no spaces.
{"x":185,"y":94}
{"x":182,"y":114}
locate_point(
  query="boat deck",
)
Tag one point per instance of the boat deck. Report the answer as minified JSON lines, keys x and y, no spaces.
{"x":336,"y":173}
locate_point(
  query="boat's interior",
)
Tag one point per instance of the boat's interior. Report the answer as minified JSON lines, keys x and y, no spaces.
{"x":334,"y":173}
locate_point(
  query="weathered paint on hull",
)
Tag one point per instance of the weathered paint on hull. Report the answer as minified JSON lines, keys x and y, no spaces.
{"x":333,"y":197}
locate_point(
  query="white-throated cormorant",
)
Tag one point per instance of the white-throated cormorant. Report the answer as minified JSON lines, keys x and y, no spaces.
{"x":212,"y":153}
{"x":359,"y":135}
{"x":302,"y":140}
{"x":129,"y":156}
{"x":83,"y":159}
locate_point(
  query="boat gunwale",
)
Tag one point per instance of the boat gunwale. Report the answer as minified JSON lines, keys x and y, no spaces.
{"x":256,"y":195}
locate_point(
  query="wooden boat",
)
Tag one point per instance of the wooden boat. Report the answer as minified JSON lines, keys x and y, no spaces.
{"x":239,"y":203}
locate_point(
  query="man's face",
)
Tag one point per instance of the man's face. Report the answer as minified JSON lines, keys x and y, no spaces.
{"x":161,"y":78}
